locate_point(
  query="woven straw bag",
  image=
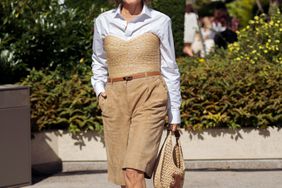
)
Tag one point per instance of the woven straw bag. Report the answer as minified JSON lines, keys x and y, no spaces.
{"x":170,"y":161}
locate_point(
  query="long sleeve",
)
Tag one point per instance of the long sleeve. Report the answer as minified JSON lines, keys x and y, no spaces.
{"x":170,"y":73}
{"x":99,"y":65}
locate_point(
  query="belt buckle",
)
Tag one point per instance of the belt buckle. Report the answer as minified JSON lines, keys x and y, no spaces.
{"x":127,"y":78}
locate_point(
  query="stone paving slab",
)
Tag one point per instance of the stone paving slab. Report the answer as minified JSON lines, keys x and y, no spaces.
{"x":193,"y":179}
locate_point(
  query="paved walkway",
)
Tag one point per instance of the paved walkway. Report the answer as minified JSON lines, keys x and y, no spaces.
{"x":193,"y":179}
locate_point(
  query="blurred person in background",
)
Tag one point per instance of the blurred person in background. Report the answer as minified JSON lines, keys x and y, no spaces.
{"x":190,"y":28}
{"x":206,"y":29}
{"x":222,"y":26}
{"x":204,"y":42}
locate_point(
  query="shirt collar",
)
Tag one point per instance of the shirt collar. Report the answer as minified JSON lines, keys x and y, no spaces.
{"x":145,"y":11}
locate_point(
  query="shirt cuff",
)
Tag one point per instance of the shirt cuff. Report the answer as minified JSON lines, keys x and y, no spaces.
{"x":99,"y":87}
{"x":174,"y":117}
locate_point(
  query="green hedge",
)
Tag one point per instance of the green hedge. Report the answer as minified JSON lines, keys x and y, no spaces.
{"x":58,"y":103}
{"x":219,"y":93}
{"x":215,"y":94}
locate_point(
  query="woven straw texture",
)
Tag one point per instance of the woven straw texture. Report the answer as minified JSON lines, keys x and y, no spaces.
{"x":127,"y":57}
{"x":170,"y":162}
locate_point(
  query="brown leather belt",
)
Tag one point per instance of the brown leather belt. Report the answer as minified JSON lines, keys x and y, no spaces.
{"x":134,"y":76}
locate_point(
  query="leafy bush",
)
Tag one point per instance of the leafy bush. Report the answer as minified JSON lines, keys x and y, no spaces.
{"x":260,"y":41}
{"x":220,"y":93}
{"x":216,"y":93}
{"x":58,"y":103}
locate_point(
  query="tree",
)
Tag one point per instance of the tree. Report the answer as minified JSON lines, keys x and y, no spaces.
{"x":46,"y":34}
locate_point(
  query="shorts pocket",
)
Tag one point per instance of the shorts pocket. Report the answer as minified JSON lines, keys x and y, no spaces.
{"x":163,"y":89}
{"x":163,"y":83}
{"x":101,"y":101}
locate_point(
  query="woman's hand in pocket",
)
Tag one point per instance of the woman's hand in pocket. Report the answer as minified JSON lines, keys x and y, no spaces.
{"x":102,"y":94}
{"x":101,"y":97}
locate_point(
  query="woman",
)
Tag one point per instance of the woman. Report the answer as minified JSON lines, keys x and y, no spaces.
{"x":137,"y":82}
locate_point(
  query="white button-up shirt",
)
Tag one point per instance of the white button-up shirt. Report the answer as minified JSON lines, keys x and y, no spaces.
{"x":149,"y":20}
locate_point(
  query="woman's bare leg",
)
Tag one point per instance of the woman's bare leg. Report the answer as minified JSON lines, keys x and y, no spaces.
{"x":134,"y":178}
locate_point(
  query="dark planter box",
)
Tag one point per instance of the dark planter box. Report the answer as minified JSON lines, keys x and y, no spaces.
{"x":15,"y":148}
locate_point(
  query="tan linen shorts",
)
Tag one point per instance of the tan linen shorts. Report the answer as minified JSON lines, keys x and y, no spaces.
{"x":133,"y":118}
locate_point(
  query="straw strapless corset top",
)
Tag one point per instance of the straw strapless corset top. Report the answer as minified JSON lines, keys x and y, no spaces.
{"x":126,"y":57}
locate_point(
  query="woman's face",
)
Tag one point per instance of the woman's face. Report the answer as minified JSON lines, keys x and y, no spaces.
{"x":132,"y":1}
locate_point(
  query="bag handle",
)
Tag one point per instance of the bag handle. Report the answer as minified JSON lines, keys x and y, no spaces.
{"x":174,"y":133}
